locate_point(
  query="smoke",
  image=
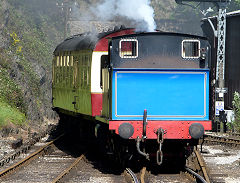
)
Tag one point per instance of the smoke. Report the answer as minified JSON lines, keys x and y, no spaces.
{"x":138,"y":11}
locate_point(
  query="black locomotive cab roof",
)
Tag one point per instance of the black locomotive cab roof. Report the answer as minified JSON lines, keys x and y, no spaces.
{"x":85,"y":41}
{"x":161,"y":33}
{"x":159,"y":50}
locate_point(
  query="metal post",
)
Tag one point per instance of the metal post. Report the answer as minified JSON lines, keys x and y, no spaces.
{"x":220,"y":69}
{"x":66,"y":18}
{"x":66,"y":8}
{"x":221,"y":45}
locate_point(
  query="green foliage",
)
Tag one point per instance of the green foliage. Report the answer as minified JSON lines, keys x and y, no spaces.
{"x":230,"y":126}
{"x":10,"y":92}
{"x":236,"y":109}
{"x":35,"y":47}
{"x":9,"y":114}
{"x":32,"y":29}
{"x":33,"y":79}
{"x":34,"y":42}
{"x":16,"y":42}
{"x":4,"y":62}
{"x":238,"y":2}
{"x":29,"y":38}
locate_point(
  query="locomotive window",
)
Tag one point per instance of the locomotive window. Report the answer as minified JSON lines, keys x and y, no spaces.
{"x":128,"y":48}
{"x":82,"y":78}
{"x":191,"y":49}
{"x":60,"y":61}
{"x":87,"y":77}
{"x":64,"y":60}
{"x":85,"y":60}
{"x":71,"y":60}
{"x":68,"y":64}
{"x":57,"y":61}
{"x":88,"y":71}
{"x":104,"y":64}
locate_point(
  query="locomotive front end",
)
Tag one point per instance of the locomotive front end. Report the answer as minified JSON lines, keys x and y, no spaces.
{"x":156,"y":86}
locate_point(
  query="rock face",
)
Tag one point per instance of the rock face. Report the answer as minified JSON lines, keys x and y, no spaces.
{"x":2,"y":41}
{"x":28,"y":36}
{"x":5,"y":15}
{"x":17,"y":143}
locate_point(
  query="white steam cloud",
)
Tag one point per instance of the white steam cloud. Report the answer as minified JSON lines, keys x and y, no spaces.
{"x":139,"y":11}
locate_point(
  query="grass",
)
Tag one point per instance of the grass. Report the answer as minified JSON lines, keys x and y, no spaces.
{"x":9,"y":114}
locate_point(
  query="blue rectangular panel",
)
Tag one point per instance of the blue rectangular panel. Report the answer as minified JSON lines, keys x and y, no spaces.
{"x":167,"y":95}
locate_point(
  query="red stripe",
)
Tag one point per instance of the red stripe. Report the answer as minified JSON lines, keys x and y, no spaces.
{"x":102,"y":44}
{"x":96,"y":100}
{"x":174,"y":129}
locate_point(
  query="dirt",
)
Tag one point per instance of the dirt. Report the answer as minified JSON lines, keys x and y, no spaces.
{"x":11,"y":133}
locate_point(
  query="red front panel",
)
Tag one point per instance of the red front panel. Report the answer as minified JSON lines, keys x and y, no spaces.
{"x":96,"y":100}
{"x":173,"y":129}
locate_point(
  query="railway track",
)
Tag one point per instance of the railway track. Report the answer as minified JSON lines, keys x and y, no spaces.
{"x":234,"y":134}
{"x":195,"y":172}
{"x":233,"y":141}
{"x":22,"y":163}
{"x":26,"y":147}
{"x":221,"y":153}
{"x":67,"y":170}
{"x":187,"y":176}
{"x":132,"y":175}
{"x":200,"y":167}
{"x":50,"y":164}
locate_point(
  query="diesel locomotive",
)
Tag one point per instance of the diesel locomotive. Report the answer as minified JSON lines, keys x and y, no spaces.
{"x":146,"y":93}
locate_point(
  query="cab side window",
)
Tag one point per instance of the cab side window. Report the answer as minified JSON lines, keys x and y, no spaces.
{"x":128,"y":48}
{"x":104,"y":64}
{"x":191,"y":49}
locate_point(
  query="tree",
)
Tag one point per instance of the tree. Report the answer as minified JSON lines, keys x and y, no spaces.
{"x":236,"y":109}
{"x":238,"y":2}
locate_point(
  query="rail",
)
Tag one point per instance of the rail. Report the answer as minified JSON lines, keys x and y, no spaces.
{"x":196,"y":175}
{"x":67,"y":170}
{"x":26,"y":147}
{"x":202,"y":168}
{"x":143,"y":172}
{"x":234,"y":134}
{"x":28,"y":158}
{"x":133,"y":176}
{"x":202,"y":165}
{"x":230,"y":141}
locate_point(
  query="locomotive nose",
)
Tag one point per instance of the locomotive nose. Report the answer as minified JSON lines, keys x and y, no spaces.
{"x":196,"y":130}
{"x":125,"y":130}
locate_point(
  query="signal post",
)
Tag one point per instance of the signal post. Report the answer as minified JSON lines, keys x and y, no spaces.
{"x":220,"y":33}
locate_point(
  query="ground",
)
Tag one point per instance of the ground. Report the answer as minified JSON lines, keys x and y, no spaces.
{"x":223,"y":162}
